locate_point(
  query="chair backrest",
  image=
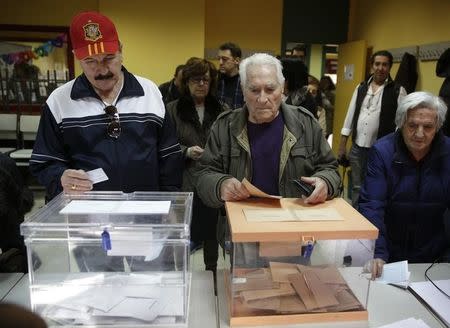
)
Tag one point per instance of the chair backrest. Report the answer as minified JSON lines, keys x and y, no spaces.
{"x":28,"y":126}
{"x":9,"y":136}
{"x":8,"y":126}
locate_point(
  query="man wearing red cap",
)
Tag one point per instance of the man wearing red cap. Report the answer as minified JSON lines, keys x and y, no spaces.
{"x":106,"y":118}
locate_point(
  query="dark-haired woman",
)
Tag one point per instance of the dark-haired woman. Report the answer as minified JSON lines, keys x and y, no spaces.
{"x":193,"y":114}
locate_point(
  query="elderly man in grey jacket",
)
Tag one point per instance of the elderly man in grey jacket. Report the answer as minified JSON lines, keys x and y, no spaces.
{"x":267,"y":142}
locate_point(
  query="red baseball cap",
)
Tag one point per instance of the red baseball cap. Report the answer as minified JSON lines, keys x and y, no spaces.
{"x":93,"y":33}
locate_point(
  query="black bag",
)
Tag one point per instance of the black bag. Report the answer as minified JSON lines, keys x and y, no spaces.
{"x":13,"y":260}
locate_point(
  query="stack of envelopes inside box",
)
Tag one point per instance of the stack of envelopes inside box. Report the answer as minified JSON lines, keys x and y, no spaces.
{"x":291,"y":288}
{"x":286,"y":271}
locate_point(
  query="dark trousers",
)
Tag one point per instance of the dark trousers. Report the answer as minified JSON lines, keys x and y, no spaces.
{"x":204,"y":230}
{"x":358,"y":163}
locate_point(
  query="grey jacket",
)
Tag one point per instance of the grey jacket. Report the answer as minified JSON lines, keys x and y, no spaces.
{"x":304,"y":152}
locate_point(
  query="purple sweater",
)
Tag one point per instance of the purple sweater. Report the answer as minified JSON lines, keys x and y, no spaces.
{"x":266,"y":140}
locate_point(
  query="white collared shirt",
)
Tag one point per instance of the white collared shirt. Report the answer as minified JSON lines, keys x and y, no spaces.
{"x":369,"y":116}
{"x":201,"y":113}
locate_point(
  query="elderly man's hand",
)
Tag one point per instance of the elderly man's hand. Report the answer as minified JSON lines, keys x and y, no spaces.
{"x":232,"y":189}
{"x":195,"y":152}
{"x":375,"y":267}
{"x":320,"y":193}
{"x":75,"y":181}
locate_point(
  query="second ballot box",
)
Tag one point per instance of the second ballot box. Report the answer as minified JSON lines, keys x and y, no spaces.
{"x":296,"y":263}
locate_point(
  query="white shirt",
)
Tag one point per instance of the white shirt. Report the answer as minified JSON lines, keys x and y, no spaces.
{"x":201,"y":113}
{"x":114,"y":103}
{"x":369,"y":116}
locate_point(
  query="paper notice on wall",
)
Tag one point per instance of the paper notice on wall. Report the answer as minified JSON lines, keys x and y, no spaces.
{"x":349,"y":72}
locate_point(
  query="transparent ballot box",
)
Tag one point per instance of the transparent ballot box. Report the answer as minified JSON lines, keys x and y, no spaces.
{"x":111,"y":259}
{"x":295,"y":263}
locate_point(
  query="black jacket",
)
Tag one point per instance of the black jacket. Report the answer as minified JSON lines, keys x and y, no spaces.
{"x":190,"y":131}
{"x":15,"y":200}
{"x":169,"y":91}
{"x":72,"y":134}
{"x":407,"y":73}
{"x":443,"y":70}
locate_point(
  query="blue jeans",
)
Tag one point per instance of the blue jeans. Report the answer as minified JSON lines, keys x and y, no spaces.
{"x":358,"y":163}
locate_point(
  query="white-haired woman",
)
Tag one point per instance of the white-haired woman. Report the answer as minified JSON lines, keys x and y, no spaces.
{"x":407,"y":188}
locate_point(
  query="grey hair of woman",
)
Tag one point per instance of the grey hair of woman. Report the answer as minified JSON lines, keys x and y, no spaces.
{"x":258,"y":60}
{"x":420,"y":99}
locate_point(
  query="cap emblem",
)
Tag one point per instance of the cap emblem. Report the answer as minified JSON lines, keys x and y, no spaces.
{"x":92,"y":32}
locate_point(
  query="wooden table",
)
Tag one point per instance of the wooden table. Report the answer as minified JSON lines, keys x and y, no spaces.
{"x":7,"y":282}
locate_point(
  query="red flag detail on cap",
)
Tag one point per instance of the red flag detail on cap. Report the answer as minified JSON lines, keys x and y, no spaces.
{"x":92,"y":33}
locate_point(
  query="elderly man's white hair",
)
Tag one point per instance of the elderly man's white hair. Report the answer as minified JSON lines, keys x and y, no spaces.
{"x":258,"y":60}
{"x":420,"y":99}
